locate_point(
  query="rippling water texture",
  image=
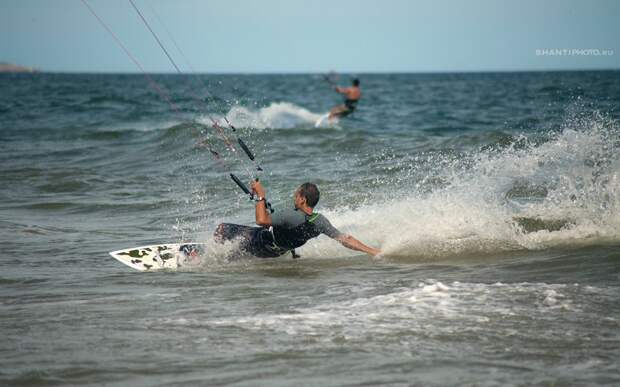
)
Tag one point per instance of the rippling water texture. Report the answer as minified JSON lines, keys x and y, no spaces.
{"x":495,"y":198}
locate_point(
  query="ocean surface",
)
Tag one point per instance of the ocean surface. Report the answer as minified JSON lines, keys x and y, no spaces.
{"x":495,"y":198}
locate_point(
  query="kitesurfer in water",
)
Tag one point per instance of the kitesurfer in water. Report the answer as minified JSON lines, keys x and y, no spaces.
{"x":286,"y":229}
{"x":352,"y":95}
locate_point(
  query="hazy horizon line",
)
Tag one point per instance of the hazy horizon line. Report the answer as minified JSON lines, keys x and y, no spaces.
{"x":488,"y":71}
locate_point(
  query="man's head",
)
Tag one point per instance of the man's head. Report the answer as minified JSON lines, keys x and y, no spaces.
{"x":307,"y":194}
{"x":356,"y":82}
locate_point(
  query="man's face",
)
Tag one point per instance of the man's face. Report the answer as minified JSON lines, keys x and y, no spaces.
{"x":299,"y":200}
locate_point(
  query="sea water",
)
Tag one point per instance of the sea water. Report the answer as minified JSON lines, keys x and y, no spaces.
{"x":495,"y":198}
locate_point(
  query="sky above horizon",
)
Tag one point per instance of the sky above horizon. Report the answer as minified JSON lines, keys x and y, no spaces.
{"x":282,"y":36}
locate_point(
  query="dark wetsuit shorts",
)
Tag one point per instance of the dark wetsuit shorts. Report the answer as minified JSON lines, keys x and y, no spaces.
{"x":257,"y":241}
{"x":351,"y":104}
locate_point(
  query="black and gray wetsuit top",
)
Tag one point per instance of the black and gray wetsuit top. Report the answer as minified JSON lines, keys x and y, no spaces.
{"x":293,"y":228}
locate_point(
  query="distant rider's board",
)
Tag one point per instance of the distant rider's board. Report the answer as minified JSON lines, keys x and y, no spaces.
{"x":160,"y":257}
{"x":323,"y":121}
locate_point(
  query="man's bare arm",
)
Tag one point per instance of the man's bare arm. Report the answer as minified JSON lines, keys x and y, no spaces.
{"x":353,"y":244}
{"x":263,"y":216}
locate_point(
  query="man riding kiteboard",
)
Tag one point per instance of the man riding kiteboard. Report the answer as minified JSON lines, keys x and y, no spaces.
{"x":352,"y":96}
{"x":286,"y":229}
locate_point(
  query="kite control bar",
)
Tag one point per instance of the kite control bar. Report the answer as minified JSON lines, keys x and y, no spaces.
{"x":245,"y":189}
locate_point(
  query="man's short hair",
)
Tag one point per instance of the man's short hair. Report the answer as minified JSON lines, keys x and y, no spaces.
{"x":310,"y":192}
{"x":356,"y":82}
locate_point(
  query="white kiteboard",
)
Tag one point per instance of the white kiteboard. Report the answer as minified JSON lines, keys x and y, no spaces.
{"x":160,"y":257}
{"x":322,"y":121}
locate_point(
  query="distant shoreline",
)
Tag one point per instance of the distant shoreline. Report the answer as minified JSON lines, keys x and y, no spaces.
{"x":344,"y":73}
{"x":13,"y":68}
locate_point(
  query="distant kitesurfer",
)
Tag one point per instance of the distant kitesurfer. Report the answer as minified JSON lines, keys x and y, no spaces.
{"x":352,"y":96}
{"x":286,"y":229}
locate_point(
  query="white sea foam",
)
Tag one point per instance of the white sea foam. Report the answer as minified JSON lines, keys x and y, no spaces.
{"x":278,"y":115}
{"x":427,"y":308}
{"x":578,"y":169}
